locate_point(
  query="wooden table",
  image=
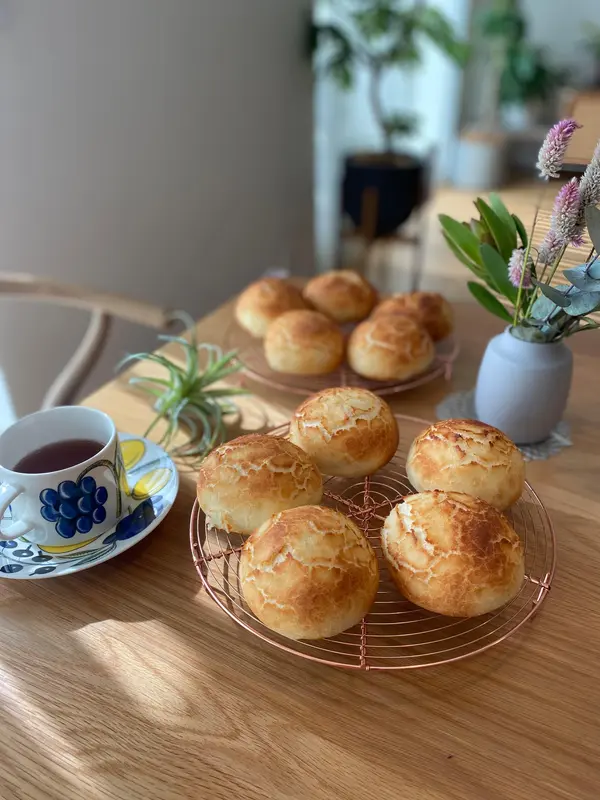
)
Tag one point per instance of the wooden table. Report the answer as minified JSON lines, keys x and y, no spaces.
{"x":125,"y":681}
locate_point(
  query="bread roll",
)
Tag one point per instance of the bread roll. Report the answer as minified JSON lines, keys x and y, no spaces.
{"x":264,"y":301}
{"x":390,"y":348}
{"x":309,"y":573}
{"x":342,"y":295}
{"x":463,"y":455}
{"x":242,"y":483}
{"x":346,"y":431}
{"x":304,"y":343}
{"x":452,"y":553}
{"x":429,"y":309}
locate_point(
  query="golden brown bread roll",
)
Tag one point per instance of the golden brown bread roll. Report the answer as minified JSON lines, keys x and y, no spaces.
{"x":243,"y":482}
{"x":346,"y":431}
{"x":342,"y":295}
{"x":263,"y":301}
{"x":464,"y":455}
{"x":429,"y":309}
{"x":452,"y":553}
{"x":304,"y":343}
{"x":309,"y":573}
{"x":390,"y":348}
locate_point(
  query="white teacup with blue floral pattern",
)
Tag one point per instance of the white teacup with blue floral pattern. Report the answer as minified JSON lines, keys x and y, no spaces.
{"x":58,"y":508}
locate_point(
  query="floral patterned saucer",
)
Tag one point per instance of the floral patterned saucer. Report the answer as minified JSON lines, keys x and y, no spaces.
{"x":152,"y":484}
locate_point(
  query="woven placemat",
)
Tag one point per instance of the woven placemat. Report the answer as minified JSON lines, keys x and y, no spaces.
{"x":460,"y":405}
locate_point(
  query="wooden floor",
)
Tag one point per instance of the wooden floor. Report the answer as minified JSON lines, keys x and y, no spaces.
{"x":389,"y":265}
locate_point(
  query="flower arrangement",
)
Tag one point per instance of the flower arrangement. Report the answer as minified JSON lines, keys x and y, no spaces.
{"x":186,"y":396}
{"x":514,"y":278}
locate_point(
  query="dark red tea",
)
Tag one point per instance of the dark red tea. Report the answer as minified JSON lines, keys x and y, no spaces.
{"x":58,"y":455}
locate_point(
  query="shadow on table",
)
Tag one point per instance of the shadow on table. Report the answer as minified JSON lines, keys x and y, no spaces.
{"x":125,"y":679}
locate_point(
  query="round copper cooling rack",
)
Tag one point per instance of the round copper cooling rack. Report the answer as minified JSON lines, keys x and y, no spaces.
{"x":395,"y":634}
{"x":251,"y":356}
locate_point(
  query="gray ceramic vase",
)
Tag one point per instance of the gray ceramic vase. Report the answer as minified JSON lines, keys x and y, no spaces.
{"x":523,"y":387}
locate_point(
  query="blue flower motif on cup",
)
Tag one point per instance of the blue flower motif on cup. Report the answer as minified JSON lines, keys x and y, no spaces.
{"x":74,"y":507}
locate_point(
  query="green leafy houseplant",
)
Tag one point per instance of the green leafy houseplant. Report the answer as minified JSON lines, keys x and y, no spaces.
{"x":524,"y":74}
{"x":382,"y":36}
{"x":592,"y":45}
{"x":514,"y":278}
{"x":186,"y":396}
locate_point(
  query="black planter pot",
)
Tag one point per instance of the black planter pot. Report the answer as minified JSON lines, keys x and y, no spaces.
{"x":381,"y":190}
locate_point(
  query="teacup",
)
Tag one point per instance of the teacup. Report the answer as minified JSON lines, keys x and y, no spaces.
{"x":69,"y":505}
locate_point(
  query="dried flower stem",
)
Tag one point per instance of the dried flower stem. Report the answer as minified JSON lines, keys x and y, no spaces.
{"x":526,"y":259}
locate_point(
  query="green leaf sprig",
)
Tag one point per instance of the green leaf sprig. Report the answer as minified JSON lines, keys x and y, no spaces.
{"x":187,"y":396}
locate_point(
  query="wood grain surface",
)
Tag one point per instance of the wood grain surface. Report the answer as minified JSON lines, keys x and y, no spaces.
{"x":125,"y":681}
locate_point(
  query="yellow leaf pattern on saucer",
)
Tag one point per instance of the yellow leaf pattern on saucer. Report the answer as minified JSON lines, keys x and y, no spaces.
{"x":132,"y":451}
{"x":151,"y":483}
{"x":66,"y":548}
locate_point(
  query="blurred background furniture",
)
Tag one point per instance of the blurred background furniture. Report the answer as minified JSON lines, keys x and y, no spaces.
{"x":103,"y":309}
{"x":585,"y":108}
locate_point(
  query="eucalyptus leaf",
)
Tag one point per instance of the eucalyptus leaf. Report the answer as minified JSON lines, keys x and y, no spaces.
{"x":498,"y":271}
{"x":502,"y":235}
{"x":592,"y":220}
{"x":582,"y":303}
{"x":554,"y":294}
{"x":580,"y":277}
{"x":543,"y":308}
{"x":488,"y":301}
{"x":594,"y":270}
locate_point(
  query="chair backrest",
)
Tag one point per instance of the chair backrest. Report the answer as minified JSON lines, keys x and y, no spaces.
{"x":103,"y":308}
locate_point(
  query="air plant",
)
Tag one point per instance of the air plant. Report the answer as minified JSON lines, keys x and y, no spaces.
{"x":186,"y":397}
{"x":514,"y":277}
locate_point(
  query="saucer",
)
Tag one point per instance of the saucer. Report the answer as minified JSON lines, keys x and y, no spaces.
{"x":152,"y":484}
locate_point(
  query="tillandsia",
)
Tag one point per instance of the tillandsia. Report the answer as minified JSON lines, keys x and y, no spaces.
{"x":186,"y":397}
{"x":514,"y":278}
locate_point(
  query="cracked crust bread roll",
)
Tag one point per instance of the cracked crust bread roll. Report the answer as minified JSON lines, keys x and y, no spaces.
{"x":309,"y":573}
{"x":464,"y":455}
{"x":346,"y":431}
{"x":264,"y":301}
{"x":342,"y":295}
{"x":390,"y":348}
{"x":429,"y":309}
{"x":452,"y":553}
{"x":304,"y":343}
{"x":245,"y":481}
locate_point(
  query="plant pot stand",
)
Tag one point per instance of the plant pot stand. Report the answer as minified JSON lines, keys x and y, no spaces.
{"x":461,"y":405}
{"x":366,"y":232}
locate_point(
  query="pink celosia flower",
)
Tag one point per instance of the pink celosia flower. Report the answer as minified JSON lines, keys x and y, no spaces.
{"x":589,"y":188}
{"x":565,"y":214}
{"x":549,"y":248}
{"x":552,"y":152}
{"x":516,"y":268}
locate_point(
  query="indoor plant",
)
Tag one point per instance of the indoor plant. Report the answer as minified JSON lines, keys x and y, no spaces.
{"x":592,"y":45}
{"x":186,"y":397}
{"x":525,"y":376}
{"x":381,"y":36}
{"x":517,"y":81}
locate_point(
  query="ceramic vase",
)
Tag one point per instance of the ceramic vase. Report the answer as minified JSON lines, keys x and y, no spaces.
{"x":523,"y":387}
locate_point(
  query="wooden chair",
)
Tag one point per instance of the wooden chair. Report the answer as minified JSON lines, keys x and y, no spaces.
{"x":103,"y":308}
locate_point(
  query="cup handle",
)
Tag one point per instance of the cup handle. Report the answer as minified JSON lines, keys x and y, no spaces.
{"x":7,"y":494}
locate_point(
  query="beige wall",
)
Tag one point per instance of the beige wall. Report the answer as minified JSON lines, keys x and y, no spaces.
{"x":160,"y":148}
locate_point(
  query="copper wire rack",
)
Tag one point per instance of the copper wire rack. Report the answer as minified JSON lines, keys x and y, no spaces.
{"x":251,"y":356}
{"x":395,"y":634}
